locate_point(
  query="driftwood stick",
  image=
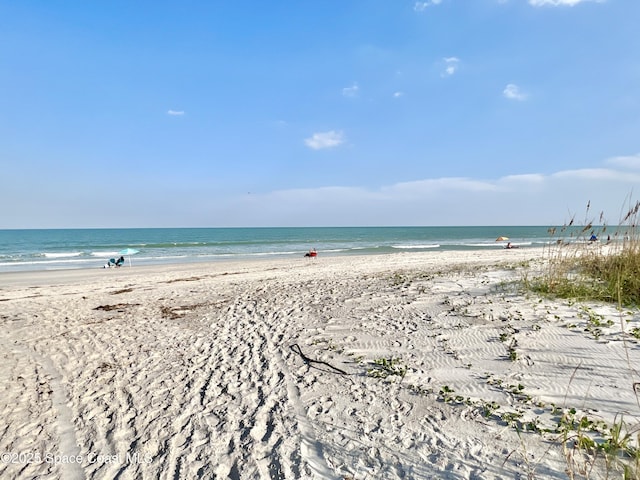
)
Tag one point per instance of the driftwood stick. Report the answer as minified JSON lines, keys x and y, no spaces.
{"x":296,"y":348}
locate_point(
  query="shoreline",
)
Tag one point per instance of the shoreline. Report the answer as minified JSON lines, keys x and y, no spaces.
{"x":57,"y":276}
{"x":240,"y":258}
{"x":405,"y":365}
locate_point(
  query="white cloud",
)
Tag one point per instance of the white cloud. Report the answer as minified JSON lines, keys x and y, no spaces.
{"x":176,"y":113}
{"x":351,"y":91}
{"x":555,"y":3}
{"x":530,"y":178}
{"x":632,"y":161}
{"x":451,"y":65}
{"x":398,"y":94}
{"x":512,"y":199}
{"x":518,"y":199}
{"x":422,"y":6}
{"x":512,"y":92}
{"x":433,"y":185}
{"x":321,"y":140}
{"x":596,"y":174}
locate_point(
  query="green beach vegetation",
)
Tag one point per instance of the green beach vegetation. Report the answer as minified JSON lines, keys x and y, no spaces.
{"x":595,"y":262}
{"x":589,"y":262}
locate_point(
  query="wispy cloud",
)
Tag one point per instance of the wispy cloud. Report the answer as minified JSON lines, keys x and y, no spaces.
{"x":556,"y":3}
{"x":516,"y":199}
{"x":530,"y":178}
{"x":596,"y":174}
{"x":631,"y":161}
{"x":513,"y":92}
{"x":451,"y":65}
{"x":175,"y":113}
{"x":351,"y":91}
{"x":422,"y":6}
{"x":398,"y":94}
{"x":433,"y":185}
{"x":322,"y":140}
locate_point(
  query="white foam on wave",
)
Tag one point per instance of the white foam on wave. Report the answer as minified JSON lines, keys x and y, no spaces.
{"x":104,"y":254}
{"x":258,"y":254}
{"x":62,"y":255}
{"x":408,"y":247}
{"x":75,"y":261}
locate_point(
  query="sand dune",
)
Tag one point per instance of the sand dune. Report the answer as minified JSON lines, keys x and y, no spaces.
{"x":268,"y":370}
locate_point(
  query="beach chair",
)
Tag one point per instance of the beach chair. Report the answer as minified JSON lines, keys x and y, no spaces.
{"x":115,"y":263}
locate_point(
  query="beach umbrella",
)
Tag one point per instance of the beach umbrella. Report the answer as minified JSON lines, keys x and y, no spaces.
{"x":128,"y":252}
{"x":501,"y":239}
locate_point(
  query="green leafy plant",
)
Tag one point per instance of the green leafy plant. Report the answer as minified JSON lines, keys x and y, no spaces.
{"x":448,"y":395}
{"x":386,"y":367}
{"x":585,"y":440}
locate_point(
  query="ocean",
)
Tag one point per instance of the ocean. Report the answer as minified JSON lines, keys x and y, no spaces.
{"x":92,"y":248}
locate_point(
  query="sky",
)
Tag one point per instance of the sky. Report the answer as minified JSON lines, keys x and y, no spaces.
{"x":334,"y":113}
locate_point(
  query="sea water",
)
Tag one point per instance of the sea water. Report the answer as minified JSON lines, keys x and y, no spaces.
{"x":92,"y":248}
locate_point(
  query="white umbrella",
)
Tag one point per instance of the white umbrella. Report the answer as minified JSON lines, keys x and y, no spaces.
{"x":128,"y":252}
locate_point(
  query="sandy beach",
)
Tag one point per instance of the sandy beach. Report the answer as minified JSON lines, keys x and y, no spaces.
{"x":403,"y":366}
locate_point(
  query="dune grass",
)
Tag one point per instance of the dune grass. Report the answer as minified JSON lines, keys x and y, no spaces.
{"x":607,"y":269}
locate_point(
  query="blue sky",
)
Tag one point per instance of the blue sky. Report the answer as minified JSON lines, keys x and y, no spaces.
{"x":340,"y":112}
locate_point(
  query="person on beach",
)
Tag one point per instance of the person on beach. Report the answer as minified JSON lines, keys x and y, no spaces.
{"x":311,"y":253}
{"x":114,"y":263}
